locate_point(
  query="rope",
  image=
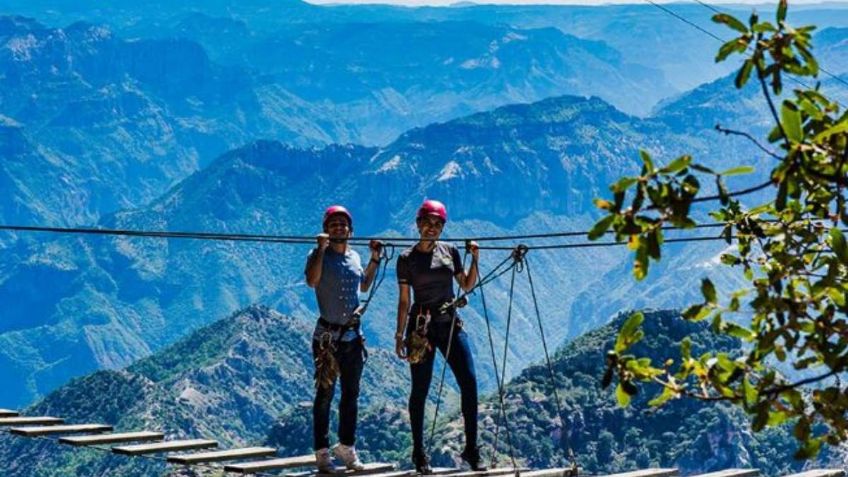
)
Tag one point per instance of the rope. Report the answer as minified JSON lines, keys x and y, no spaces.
{"x":571,"y":457}
{"x":515,"y":257}
{"x":500,"y":385}
{"x":494,"y":364}
{"x":385,"y":258}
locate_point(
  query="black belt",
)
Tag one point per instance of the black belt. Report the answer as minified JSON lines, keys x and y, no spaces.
{"x":351,"y":325}
{"x":438,"y":312}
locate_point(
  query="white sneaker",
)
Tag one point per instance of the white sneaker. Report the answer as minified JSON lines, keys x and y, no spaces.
{"x":347,"y":454}
{"x":324,"y":462}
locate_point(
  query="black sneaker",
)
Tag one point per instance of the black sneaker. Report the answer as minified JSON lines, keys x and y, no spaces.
{"x":471,"y":455}
{"x":421,"y":462}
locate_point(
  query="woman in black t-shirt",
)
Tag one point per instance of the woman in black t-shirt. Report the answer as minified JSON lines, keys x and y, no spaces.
{"x":430,"y":267}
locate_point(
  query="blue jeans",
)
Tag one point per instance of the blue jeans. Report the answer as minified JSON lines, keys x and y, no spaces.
{"x":461,"y":363}
{"x":349,"y":354}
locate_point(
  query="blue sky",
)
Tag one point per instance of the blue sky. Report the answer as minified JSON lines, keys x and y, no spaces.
{"x":415,"y":3}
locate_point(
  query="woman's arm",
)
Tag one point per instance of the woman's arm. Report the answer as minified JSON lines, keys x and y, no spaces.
{"x":371,"y":269}
{"x":468,"y":280}
{"x":316,"y":261}
{"x":402,"y":311}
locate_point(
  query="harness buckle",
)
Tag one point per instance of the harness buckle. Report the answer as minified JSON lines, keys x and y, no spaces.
{"x":422,"y":322}
{"x":326,"y":341}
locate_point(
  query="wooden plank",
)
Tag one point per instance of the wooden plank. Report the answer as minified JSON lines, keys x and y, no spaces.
{"x":217,"y":456}
{"x":272,"y":464}
{"x":647,"y":473}
{"x":8,"y":413}
{"x":33,"y":431}
{"x":370,"y":468}
{"x":732,"y":473}
{"x":485,"y":473}
{"x":557,"y":472}
{"x":167,"y":446}
{"x":820,"y":473}
{"x":444,"y":470}
{"x":26,"y":421}
{"x":112,"y":438}
{"x":397,"y":473}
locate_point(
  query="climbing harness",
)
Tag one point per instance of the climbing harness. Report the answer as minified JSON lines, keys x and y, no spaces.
{"x":417,"y":344}
{"x":326,"y":364}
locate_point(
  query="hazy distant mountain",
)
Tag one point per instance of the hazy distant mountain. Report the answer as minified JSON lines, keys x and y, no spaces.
{"x":517,"y":169}
{"x":110,"y":123}
{"x":80,"y":304}
{"x":93,"y":123}
{"x":644,"y":34}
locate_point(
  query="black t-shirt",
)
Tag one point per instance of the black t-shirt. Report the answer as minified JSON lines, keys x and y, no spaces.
{"x":430,"y":274}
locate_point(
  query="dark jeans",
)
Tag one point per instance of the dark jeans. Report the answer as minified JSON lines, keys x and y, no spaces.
{"x":350,"y":358}
{"x":461,"y":364}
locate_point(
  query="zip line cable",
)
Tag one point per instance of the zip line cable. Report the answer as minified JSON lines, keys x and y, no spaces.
{"x":686,"y":21}
{"x":310,"y":240}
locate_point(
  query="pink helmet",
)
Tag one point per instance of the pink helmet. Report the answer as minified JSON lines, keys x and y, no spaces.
{"x":337,"y":210}
{"x":433,"y":207}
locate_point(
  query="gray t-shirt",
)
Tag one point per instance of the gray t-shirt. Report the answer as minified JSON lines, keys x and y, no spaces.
{"x":337,"y":292}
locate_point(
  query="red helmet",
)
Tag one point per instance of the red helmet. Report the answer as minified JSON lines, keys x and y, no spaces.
{"x":337,"y":210}
{"x":433,"y":207}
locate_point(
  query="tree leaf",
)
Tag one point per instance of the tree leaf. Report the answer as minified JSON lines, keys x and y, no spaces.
{"x":680,"y":163}
{"x":838,"y":128}
{"x":749,"y":392}
{"x":736,"y":171}
{"x":623,"y":184}
{"x":632,"y":324}
{"x":622,"y":396}
{"x":790,"y":117}
{"x":780,"y":202}
{"x":782,"y":6}
{"x":809,"y":448}
{"x":647,"y":161}
{"x":709,"y":291}
{"x":666,"y":395}
{"x":744,"y":74}
{"x":600,"y":227}
{"x":730,"y":21}
{"x":837,"y":242}
{"x":737,"y":331}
